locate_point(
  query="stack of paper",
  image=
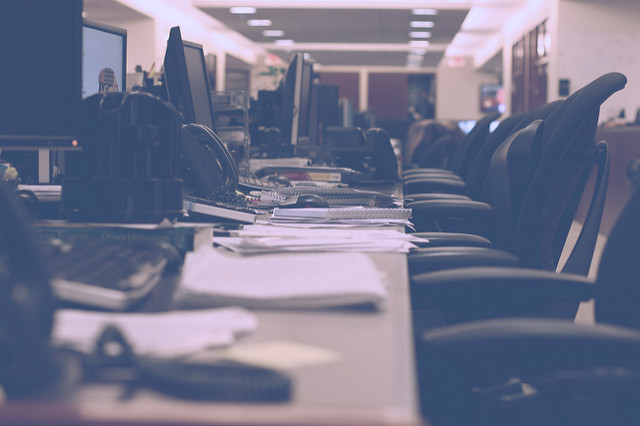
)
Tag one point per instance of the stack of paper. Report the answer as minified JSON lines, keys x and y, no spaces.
{"x":164,"y":334}
{"x":363,"y":215}
{"x":254,"y":239}
{"x":211,"y":277}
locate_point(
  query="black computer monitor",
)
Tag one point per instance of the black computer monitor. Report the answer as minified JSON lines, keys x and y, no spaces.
{"x":296,"y":96}
{"x":185,"y":77}
{"x":104,"y":58}
{"x":324,"y":110}
{"x":40,"y":84}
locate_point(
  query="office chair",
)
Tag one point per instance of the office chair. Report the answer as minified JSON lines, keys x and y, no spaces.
{"x":435,"y":154}
{"x":420,"y":150}
{"x":474,"y":186}
{"x":550,"y":164}
{"x":474,"y":179}
{"x":465,"y":154}
{"x":543,"y":370}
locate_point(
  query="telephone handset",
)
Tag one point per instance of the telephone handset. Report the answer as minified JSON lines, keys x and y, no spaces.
{"x":206,"y":165}
{"x":26,"y":303}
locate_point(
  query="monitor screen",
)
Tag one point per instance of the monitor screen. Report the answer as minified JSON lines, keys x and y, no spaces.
{"x":185,"y":77}
{"x":104,"y":58}
{"x":492,"y":98}
{"x":296,"y":96}
{"x":40,"y":88}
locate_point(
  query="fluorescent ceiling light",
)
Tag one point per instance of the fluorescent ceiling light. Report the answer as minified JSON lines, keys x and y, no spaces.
{"x":259,"y":22}
{"x":272,"y":33}
{"x":429,"y":12}
{"x":421,"y":24}
{"x":418,"y":51}
{"x":419,"y":34}
{"x":283,"y":42}
{"x":242,"y":10}
{"x":419,"y":44}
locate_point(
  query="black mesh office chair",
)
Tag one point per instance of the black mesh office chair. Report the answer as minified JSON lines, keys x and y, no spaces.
{"x":534,"y":201}
{"x":546,"y":371}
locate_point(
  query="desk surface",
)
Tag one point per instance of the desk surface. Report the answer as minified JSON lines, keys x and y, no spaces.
{"x":373,"y":382}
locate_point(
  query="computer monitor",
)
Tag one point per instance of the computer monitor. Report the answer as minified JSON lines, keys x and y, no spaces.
{"x":185,"y":77}
{"x":324,"y":110}
{"x":296,"y":99}
{"x":104,"y":58}
{"x":492,"y":98}
{"x":40,"y":87}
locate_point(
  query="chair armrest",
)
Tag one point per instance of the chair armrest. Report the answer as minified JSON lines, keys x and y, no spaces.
{"x":442,"y":184}
{"x":536,"y":344}
{"x":444,"y":239}
{"x":431,"y":259}
{"x":435,"y":196}
{"x":420,"y":170}
{"x":483,"y":292}
{"x":462,"y":365}
{"x":431,"y":174}
{"x":453,"y":215}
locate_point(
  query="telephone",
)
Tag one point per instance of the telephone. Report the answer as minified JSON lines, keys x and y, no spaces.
{"x":26,"y":304}
{"x":207,"y":167}
{"x":369,"y":152}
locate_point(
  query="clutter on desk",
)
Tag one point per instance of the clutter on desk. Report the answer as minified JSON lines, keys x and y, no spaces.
{"x":335,"y":197}
{"x":261,"y":239}
{"x":114,"y":360}
{"x":212,"y":277}
{"x":161,"y":335}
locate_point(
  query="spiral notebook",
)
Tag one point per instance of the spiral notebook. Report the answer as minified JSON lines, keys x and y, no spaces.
{"x":343,"y":213}
{"x":335,"y":197}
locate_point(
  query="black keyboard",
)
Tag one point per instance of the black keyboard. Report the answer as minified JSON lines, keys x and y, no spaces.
{"x":106,"y":274}
{"x":256,"y":184}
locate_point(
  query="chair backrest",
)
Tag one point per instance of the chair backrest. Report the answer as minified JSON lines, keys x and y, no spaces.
{"x":536,"y":180}
{"x":567,"y":154}
{"x":420,"y":138}
{"x":438,"y":154}
{"x":470,"y":145}
{"x":480,"y":166}
{"x":618,"y":282}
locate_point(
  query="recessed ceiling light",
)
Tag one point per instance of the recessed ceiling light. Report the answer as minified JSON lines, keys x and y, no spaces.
{"x":242,"y":10}
{"x":419,"y":44}
{"x":421,"y":24}
{"x":419,"y":34}
{"x":429,"y":12}
{"x":283,"y":42}
{"x":259,"y":22}
{"x":272,"y":33}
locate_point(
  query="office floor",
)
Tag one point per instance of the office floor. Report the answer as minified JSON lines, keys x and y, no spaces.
{"x":585,"y":313}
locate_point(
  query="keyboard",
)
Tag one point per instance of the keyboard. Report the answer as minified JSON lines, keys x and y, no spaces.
{"x":256,"y":184}
{"x":105,"y":274}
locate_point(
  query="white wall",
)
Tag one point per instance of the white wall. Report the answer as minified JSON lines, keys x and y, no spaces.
{"x":458,"y":91}
{"x":600,"y":38}
{"x":141,"y":43}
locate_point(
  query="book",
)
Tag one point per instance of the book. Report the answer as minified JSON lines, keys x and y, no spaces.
{"x":311,"y":173}
{"x":184,"y":237}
